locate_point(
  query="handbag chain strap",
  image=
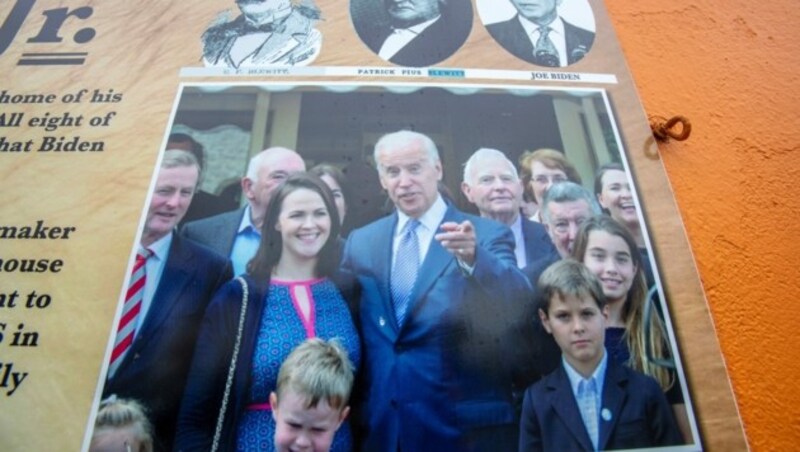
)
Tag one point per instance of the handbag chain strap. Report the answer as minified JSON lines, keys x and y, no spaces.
{"x":232,"y":368}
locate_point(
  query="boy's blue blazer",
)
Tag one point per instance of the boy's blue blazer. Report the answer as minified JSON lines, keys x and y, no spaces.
{"x":639,"y":414}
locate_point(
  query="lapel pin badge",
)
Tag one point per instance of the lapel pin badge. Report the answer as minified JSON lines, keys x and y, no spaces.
{"x":605,"y":413}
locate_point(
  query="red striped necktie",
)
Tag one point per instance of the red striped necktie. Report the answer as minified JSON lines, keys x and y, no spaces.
{"x":130,"y":312}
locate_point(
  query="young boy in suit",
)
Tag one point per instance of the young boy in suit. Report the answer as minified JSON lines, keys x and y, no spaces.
{"x":589,"y":403}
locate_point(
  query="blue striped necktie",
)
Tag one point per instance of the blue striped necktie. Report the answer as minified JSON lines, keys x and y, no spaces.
{"x":587,"y":400}
{"x":404,"y":273}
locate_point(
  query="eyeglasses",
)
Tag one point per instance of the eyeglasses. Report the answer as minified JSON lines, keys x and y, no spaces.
{"x":544,"y":180}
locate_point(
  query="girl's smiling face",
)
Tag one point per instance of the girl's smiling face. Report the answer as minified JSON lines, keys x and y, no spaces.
{"x":609,"y":258}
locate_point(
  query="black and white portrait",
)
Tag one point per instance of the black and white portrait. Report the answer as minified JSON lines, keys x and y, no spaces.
{"x":266,"y":33}
{"x":413,"y":33}
{"x":550,"y":33}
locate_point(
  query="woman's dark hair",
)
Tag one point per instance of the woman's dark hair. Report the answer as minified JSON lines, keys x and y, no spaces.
{"x":326,"y":169}
{"x":193,"y":146}
{"x":271,"y":245}
{"x":598,"y":178}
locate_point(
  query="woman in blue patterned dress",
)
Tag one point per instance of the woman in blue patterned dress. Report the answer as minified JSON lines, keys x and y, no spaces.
{"x":291,"y":297}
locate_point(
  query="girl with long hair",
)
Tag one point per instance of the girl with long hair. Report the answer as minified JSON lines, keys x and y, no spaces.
{"x":609,"y":251}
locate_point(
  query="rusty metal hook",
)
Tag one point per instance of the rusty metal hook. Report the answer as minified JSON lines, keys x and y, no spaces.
{"x":663,"y":128}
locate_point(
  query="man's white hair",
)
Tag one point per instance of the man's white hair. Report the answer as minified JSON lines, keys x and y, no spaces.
{"x":257,"y":161}
{"x":483,"y":155}
{"x":395,"y":140}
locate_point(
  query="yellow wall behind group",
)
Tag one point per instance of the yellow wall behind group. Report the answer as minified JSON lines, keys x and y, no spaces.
{"x":733,"y":69}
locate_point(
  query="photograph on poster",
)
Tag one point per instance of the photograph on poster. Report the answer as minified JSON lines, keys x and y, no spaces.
{"x":414,"y":33}
{"x":417,"y":237}
{"x":550,"y":33}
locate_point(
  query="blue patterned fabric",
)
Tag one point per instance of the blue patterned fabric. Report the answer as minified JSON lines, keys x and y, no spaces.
{"x":282,"y":328}
{"x":404,"y":272}
{"x":588,"y":403}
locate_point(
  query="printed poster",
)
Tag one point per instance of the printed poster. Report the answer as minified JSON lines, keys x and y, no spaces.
{"x":96,"y":92}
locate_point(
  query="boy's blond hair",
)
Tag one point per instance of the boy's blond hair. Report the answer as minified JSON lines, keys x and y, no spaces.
{"x":119,"y":414}
{"x":317,"y":370}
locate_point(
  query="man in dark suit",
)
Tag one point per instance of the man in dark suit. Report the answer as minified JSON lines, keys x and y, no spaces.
{"x":237,"y":234}
{"x":491,"y":183}
{"x":439,"y":289}
{"x":172,"y":283}
{"x":419,"y":32}
{"x":538,"y":35}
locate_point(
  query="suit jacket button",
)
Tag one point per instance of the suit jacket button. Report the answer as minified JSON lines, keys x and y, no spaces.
{"x":136,"y":356}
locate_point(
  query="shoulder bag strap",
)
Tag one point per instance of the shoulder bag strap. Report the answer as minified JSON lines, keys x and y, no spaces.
{"x":232,"y":368}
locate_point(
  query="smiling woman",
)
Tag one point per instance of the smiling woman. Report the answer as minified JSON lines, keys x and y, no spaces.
{"x":613,"y":191}
{"x":289,"y":298}
{"x":305,"y":226}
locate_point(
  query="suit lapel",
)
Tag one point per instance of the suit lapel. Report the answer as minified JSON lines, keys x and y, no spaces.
{"x":528,"y":241}
{"x":436,"y":262}
{"x":382,"y":265}
{"x":525,"y":45}
{"x":224,"y":231}
{"x":383,"y":270}
{"x":173,"y":279}
{"x":566,"y":407}
{"x":613,"y":400}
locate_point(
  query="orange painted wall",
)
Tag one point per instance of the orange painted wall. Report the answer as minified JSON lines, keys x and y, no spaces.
{"x":733,"y":68}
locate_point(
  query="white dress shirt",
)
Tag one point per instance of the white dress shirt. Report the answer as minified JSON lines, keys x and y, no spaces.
{"x":153,"y":267}
{"x":429,"y":223}
{"x":519,"y":243}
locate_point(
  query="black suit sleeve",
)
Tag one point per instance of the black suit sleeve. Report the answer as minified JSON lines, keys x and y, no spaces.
{"x":530,"y":434}
{"x":663,"y":427}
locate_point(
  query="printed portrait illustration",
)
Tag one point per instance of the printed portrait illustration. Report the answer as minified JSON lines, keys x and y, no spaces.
{"x":549,"y":33}
{"x":413,"y":33}
{"x":266,"y":33}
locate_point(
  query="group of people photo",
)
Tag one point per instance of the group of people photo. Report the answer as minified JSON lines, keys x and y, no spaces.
{"x":518,"y":312}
